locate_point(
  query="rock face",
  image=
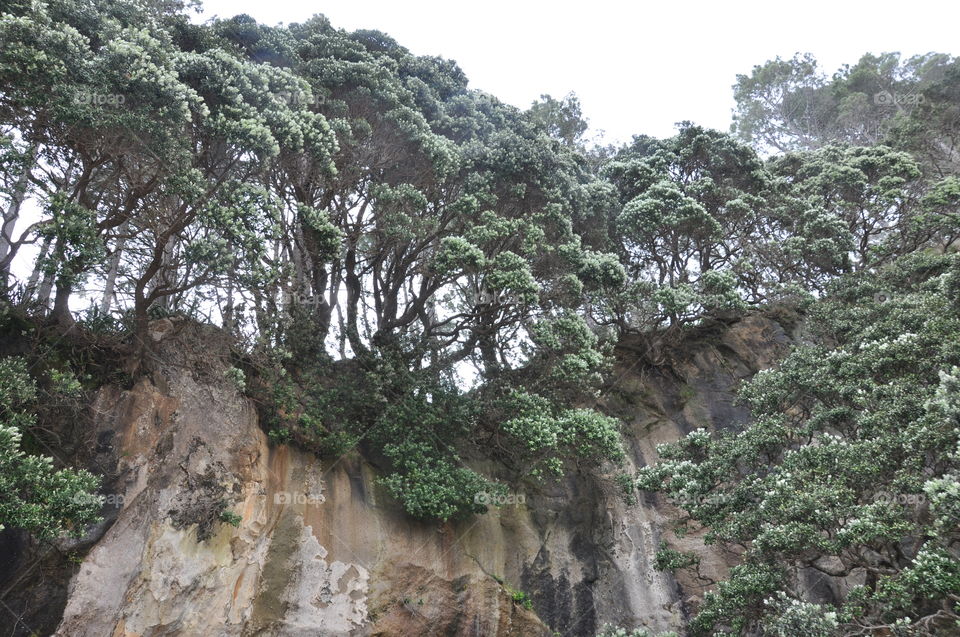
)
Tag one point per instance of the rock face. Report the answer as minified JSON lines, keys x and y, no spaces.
{"x":320,"y":550}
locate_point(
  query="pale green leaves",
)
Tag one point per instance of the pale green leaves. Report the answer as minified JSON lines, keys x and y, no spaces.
{"x":33,"y":494}
{"x":328,"y":238}
{"x":547,"y":434}
{"x":510,"y":274}
{"x":664,"y":207}
{"x":457,"y":255}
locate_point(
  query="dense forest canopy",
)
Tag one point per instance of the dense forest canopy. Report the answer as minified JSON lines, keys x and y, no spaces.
{"x":414,"y":269}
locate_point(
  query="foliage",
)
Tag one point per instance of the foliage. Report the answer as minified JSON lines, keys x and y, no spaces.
{"x":790,"y":617}
{"x":36,"y":496}
{"x":608,"y":630}
{"x":541,"y":436}
{"x":850,"y":433}
{"x":788,"y":105}
{"x":425,"y":428}
{"x":707,"y":229}
{"x":237,"y":378}
{"x":871,"y":191}
{"x":521,"y":598}
{"x":231,"y":518}
{"x":667,"y":559}
{"x":427,"y":276}
{"x":562,"y":119}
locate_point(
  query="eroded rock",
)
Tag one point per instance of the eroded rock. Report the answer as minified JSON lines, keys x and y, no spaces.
{"x":321,"y":550}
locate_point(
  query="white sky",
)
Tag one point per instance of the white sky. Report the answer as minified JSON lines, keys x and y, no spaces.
{"x":637,"y":67}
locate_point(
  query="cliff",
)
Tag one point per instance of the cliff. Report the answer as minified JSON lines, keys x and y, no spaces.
{"x":321,"y":550}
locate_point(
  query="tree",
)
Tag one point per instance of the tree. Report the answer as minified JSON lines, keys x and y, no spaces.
{"x":790,"y":105}
{"x":853,"y":435}
{"x":562,"y":119}
{"x":909,"y":104}
{"x":705,"y":228}
{"x":106,"y":89}
{"x":785,"y":105}
{"x":931,"y":131}
{"x":875,"y":192}
{"x":18,"y":165}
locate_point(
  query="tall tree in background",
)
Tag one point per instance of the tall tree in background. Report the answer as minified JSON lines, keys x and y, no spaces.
{"x":909,"y":104}
{"x":562,"y":119}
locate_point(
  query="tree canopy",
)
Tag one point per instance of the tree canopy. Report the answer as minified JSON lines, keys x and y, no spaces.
{"x":413,"y":269}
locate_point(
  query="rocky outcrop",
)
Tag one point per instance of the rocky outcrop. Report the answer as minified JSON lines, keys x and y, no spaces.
{"x":313,"y":553}
{"x":319,"y":549}
{"x":693,"y":386}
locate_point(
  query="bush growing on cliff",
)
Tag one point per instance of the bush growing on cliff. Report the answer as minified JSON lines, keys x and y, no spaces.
{"x":849,"y":469}
{"x":34,"y":495}
{"x":425,"y":428}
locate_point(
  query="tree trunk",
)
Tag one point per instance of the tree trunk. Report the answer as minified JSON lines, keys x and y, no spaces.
{"x":35,"y":275}
{"x":111,"y":282}
{"x":228,"y":310}
{"x":168,"y":275}
{"x":354,"y":290}
{"x":488,"y":354}
{"x":61,"y":303}
{"x":11,"y":216}
{"x":46,"y":287}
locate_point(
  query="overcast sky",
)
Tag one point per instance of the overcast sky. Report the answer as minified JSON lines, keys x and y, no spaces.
{"x":637,"y":67}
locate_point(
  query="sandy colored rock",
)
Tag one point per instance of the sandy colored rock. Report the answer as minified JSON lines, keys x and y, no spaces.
{"x":321,"y":550}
